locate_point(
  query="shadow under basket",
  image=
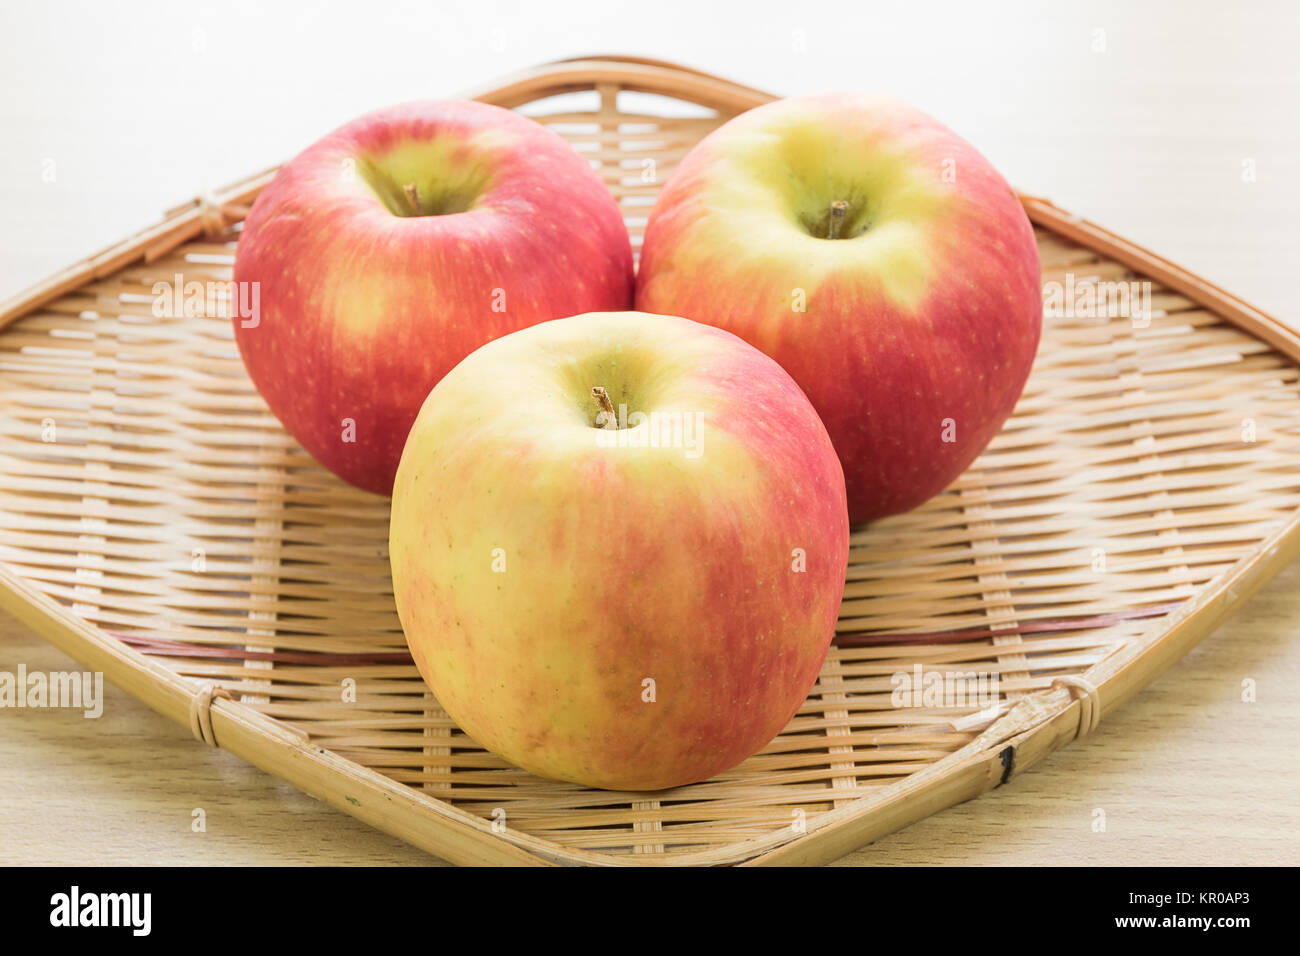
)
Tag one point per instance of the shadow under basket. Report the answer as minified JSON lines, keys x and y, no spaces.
{"x":159,"y":525}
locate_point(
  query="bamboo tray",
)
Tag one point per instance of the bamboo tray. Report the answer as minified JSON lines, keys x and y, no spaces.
{"x":174,"y":537}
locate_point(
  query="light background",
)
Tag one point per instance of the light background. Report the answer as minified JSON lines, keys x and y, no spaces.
{"x":1145,"y":127}
{"x":1139,"y":116}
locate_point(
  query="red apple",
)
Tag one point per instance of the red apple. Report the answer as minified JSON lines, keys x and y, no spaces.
{"x":633,"y":600}
{"x":880,"y":259}
{"x":398,"y":244}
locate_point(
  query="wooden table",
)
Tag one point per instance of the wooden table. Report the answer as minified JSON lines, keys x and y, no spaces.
{"x":1187,"y":773}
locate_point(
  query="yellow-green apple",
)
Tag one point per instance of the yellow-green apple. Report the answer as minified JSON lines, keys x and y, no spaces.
{"x":879,"y":258}
{"x":618,"y":546}
{"x":398,"y":244}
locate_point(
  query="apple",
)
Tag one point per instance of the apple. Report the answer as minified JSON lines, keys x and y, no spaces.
{"x":618,"y":546}
{"x":879,"y":258}
{"x":395,"y":246}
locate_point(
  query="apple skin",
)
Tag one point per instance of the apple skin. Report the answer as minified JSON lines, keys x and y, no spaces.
{"x":921,"y":321}
{"x":363,"y":309}
{"x":621,"y":564}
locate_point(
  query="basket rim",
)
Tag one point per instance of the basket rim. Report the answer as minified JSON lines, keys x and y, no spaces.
{"x":1035,"y":726}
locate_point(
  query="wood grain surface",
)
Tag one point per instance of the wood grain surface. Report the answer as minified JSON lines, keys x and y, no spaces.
{"x":1188,"y":773}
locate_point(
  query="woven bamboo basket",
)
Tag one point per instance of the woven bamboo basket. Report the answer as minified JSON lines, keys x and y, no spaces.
{"x":159,"y":525}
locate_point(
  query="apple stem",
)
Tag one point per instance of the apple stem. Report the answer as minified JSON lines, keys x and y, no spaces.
{"x":602,"y":399}
{"x":413,"y":197}
{"x":838,"y":209}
